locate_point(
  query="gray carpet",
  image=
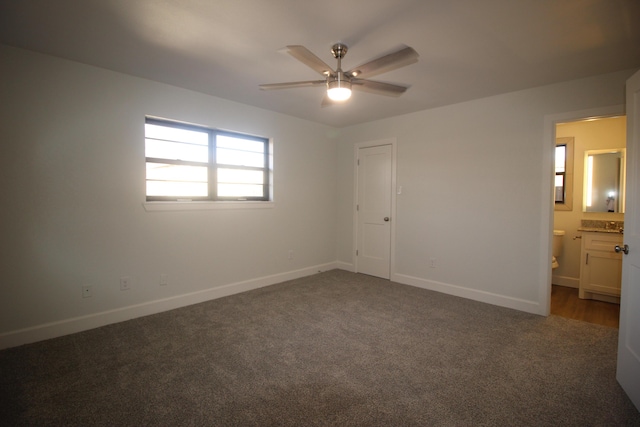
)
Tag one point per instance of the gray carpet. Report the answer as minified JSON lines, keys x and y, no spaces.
{"x":332,"y":349}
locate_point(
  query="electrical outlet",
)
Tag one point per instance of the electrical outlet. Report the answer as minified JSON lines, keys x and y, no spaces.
{"x":432,"y":262}
{"x":87,"y":292}
{"x":164,"y":280}
{"x":125,"y":283}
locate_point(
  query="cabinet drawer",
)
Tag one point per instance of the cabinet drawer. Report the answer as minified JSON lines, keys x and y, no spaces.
{"x":601,"y":241}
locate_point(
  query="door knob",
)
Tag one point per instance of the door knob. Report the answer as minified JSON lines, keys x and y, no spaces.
{"x":624,"y":248}
{"x":386,"y":218}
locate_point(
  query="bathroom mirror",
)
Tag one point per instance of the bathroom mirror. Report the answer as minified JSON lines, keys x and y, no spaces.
{"x":604,"y":172}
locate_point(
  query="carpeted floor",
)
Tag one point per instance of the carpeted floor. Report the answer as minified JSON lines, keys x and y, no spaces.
{"x":336,"y":348}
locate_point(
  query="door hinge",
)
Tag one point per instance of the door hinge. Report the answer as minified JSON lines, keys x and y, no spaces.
{"x":358,"y":162}
{"x":357,"y":208}
{"x":587,"y":260}
{"x":356,"y":252}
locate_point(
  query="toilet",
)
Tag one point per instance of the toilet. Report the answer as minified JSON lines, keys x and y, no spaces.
{"x":558,"y":236}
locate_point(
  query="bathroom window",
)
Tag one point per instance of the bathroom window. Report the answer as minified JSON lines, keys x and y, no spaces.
{"x":563,"y":188}
{"x":561,"y":168}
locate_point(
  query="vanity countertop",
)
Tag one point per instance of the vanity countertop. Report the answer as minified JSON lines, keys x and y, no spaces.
{"x":600,"y":230}
{"x":601,"y":226}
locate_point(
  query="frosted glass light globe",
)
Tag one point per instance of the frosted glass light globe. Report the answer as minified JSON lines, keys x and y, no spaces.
{"x":339,"y":93}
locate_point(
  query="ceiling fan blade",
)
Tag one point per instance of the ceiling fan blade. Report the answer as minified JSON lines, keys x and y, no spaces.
{"x":378,"y":88}
{"x":385,"y":63}
{"x":308,"y":83}
{"x":307,"y":57}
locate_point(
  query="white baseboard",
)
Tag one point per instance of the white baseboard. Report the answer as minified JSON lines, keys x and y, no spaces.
{"x":569,"y":282}
{"x":96,"y":320}
{"x":473,"y":294}
{"x":345,"y":266}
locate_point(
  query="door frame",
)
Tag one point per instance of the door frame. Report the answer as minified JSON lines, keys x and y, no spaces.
{"x":394,"y":187}
{"x":547,"y":203}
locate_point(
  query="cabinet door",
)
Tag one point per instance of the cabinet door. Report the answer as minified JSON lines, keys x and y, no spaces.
{"x":603,"y":272}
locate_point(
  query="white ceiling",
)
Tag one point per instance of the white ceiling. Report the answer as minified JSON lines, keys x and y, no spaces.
{"x":468,"y":48}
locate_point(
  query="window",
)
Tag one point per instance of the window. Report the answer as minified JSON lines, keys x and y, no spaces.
{"x":561,"y":161}
{"x":192,"y":163}
{"x":564,"y":174}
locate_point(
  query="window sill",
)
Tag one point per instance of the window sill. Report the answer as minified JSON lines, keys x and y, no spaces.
{"x":203,"y":206}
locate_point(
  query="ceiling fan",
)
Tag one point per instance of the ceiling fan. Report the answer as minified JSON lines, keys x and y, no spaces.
{"x":339,"y":83}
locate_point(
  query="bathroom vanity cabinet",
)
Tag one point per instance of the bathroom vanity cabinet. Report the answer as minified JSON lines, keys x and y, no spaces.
{"x":601,"y":267}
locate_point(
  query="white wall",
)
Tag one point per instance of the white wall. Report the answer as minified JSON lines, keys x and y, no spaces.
{"x":72,"y":171}
{"x":588,"y":135}
{"x":476,"y":196}
{"x":476,"y":181}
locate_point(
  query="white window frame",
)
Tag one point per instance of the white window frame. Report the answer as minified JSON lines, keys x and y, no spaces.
{"x":212,"y":200}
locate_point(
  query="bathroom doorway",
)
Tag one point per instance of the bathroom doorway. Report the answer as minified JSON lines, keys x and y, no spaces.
{"x":576,"y":138}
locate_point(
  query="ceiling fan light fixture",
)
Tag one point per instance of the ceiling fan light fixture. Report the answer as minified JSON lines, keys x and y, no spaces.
{"x":339,"y":90}
{"x":338,"y":83}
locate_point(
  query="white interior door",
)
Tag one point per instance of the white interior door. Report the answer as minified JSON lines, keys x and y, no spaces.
{"x":628,"y":374}
{"x":374,"y":211}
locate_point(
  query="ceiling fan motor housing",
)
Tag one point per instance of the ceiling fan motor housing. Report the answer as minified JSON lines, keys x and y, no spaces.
{"x":339,"y":79}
